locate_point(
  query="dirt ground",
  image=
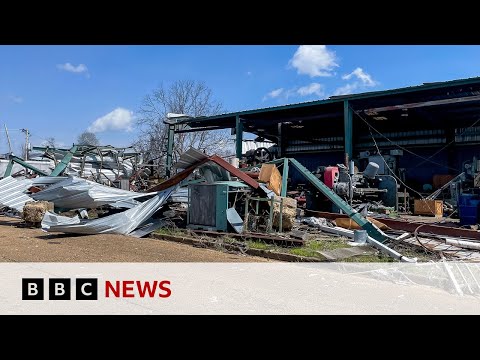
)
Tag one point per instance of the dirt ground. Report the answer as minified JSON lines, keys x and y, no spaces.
{"x":19,"y":244}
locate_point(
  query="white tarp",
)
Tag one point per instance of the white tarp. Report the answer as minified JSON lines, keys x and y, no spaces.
{"x":121,"y":223}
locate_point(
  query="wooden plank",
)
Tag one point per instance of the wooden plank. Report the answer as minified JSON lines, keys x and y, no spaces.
{"x":270,"y":175}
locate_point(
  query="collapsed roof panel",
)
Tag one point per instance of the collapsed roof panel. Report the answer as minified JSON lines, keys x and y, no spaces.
{"x":122,"y":223}
{"x":12,"y":193}
{"x":75,"y":193}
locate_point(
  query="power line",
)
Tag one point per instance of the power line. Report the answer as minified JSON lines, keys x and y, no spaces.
{"x":399,"y":146}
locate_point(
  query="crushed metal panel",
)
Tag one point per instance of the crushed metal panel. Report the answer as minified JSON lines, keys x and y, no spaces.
{"x":213,"y":173}
{"x":12,"y":193}
{"x":74,"y":193}
{"x":149,"y":227}
{"x":188,"y":158}
{"x":122,"y":223}
{"x":235,"y":220}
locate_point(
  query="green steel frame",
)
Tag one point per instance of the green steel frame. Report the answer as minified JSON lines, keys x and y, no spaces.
{"x":15,"y":159}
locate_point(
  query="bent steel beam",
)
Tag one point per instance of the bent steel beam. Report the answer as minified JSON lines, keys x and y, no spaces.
{"x":372,"y":230}
{"x":14,"y":159}
{"x":62,"y":165}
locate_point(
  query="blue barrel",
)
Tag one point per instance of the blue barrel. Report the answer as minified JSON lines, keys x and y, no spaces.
{"x":468,"y":209}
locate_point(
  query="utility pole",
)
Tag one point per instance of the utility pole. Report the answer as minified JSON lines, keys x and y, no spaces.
{"x":8,"y":138}
{"x":26,"y":143}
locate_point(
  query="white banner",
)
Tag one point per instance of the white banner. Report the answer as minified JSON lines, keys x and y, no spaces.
{"x":239,"y":288}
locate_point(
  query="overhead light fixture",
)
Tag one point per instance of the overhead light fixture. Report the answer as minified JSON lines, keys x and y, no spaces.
{"x":297,"y":126}
{"x":404,"y":112}
{"x":380,"y":118}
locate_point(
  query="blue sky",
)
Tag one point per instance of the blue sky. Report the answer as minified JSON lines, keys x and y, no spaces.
{"x":60,"y":91}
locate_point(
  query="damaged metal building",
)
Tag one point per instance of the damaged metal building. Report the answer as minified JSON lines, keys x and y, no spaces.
{"x":418,"y":133}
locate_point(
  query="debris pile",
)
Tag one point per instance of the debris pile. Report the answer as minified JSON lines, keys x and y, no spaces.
{"x":209,"y":195}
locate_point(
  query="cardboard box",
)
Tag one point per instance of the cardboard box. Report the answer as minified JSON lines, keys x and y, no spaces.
{"x":428,"y":207}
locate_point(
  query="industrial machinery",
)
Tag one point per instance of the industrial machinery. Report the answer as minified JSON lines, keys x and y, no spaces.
{"x":258,"y":156}
{"x":355,"y":187}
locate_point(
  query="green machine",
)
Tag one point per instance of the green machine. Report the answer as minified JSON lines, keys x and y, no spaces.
{"x":207,"y":207}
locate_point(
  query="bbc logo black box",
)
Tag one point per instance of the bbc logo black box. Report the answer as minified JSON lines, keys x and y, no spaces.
{"x":32,"y":289}
{"x":86,"y":289}
{"x":60,"y":289}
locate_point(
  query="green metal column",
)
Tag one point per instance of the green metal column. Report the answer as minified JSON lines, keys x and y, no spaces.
{"x":348,"y":129}
{"x":284,"y":178}
{"x":239,"y":137}
{"x":372,"y":230}
{"x":171,"y":134}
{"x":62,"y":165}
{"x":8,"y":171}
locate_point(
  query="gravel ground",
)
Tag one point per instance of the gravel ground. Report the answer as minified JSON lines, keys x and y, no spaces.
{"x":18,"y":244}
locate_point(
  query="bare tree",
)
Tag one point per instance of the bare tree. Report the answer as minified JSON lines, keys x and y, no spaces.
{"x":182,"y":97}
{"x":50,"y":142}
{"x":88,"y":138}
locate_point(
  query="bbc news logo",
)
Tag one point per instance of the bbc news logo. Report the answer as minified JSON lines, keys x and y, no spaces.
{"x":87,"y":289}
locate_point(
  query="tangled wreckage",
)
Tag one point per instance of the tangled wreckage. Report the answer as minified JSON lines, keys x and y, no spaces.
{"x":208,"y":194}
{"x":341,"y":166}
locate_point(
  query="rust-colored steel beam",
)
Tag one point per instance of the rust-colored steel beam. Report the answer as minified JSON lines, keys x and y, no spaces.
{"x":177,"y":178}
{"x":217,"y":160}
{"x":234,"y":171}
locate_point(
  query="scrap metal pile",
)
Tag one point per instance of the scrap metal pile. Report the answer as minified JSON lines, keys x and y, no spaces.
{"x":208,"y":194}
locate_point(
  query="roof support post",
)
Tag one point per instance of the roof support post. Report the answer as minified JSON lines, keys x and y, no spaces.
{"x":238,"y":137}
{"x":280,"y":140}
{"x":284,"y":177}
{"x":170,"y":138}
{"x":348,"y":130}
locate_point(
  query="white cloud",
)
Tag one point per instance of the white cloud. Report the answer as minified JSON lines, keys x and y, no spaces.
{"x":361,"y":75}
{"x":346,"y":89}
{"x":273,"y":94}
{"x":118,"y":119}
{"x":362,"y":82}
{"x":311,"y":89}
{"x":314,"y":88}
{"x":314,"y":60}
{"x":16,"y":99}
{"x":79,"y":69}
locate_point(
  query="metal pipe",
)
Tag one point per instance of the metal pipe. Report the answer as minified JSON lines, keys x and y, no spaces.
{"x":463,"y":244}
{"x":376,"y":244}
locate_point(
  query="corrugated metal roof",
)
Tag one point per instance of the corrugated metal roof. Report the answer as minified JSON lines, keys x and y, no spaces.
{"x":188,"y":158}
{"x":340,"y":98}
{"x":12,"y":193}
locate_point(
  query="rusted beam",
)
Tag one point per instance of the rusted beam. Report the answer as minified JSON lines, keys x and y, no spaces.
{"x":234,"y":171}
{"x":177,"y":178}
{"x":409,"y":226}
{"x":217,"y":160}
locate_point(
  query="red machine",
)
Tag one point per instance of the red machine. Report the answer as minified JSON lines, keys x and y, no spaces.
{"x":330,"y":176}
